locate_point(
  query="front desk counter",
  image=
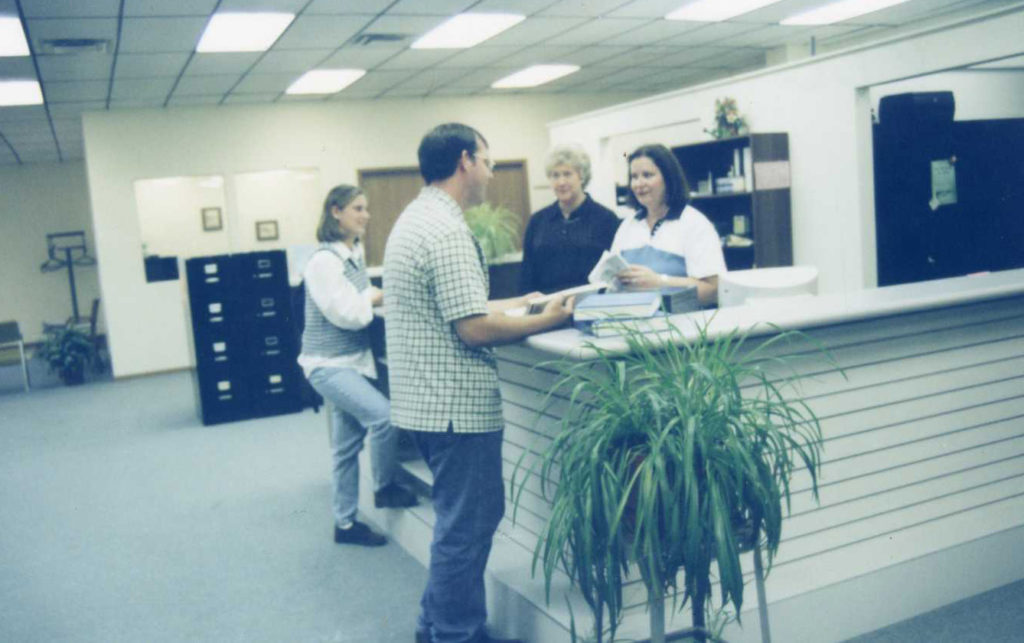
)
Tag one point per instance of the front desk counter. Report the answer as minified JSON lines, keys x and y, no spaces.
{"x":922,"y":482}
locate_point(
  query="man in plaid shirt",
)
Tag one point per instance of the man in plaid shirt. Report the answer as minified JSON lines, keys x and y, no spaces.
{"x":442,"y":373}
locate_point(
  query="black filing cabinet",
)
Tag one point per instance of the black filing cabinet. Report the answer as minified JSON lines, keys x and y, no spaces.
{"x":242,"y":336}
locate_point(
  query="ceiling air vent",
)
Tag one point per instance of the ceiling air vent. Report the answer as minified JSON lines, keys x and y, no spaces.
{"x":72,"y":46}
{"x":365,"y":39}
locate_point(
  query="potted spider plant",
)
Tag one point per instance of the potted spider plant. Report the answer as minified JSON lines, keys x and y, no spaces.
{"x":67,"y":351}
{"x":669,"y":457}
{"x":495,"y":227}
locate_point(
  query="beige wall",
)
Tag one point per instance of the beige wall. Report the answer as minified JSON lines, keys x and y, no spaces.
{"x":147,"y":330}
{"x":36,"y":200}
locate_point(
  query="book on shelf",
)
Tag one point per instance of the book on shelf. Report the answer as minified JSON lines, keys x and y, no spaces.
{"x":618,"y":305}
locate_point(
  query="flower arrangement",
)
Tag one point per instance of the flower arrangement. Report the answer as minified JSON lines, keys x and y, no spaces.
{"x":728,"y":121}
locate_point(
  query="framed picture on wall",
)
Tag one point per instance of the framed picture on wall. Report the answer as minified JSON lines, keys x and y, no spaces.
{"x":211,"y":219}
{"x":266,"y":230}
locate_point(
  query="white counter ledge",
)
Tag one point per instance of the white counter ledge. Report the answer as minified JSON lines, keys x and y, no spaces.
{"x":806,"y":312}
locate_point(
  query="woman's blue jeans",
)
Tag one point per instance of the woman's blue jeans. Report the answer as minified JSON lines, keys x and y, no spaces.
{"x":357,"y":408}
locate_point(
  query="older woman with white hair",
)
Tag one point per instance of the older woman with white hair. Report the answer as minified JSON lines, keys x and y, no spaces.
{"x":564,"y":241}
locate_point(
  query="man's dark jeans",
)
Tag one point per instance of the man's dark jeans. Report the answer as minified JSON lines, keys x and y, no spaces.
{"x":469,"y":501}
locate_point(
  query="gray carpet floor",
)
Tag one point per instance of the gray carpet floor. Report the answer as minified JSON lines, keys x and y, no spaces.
{"x":123,"y":519}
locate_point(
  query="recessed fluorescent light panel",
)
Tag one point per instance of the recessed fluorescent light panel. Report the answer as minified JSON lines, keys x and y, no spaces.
{"x":839,"y":11}
{"x":325,"y":81}
{"x":230,"y":32}
{"x":12,"y":37}
{"x":716,"y":10}
{"x":536,"y":75}
{"x":467,"y":29}
{"x":20,"y":92}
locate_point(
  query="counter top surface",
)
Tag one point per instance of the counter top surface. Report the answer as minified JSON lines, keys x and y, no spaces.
{"x":769,"y":315}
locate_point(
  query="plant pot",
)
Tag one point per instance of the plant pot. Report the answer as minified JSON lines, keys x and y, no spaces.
{"x":73,"y":375}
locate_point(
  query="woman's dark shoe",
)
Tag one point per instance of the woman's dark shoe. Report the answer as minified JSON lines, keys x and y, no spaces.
{"x":394,"y":496}
{"x":358,"y":534}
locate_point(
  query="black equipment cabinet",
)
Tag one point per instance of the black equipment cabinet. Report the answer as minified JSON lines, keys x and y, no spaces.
{"x":243,"y":340}
{"x":919,"y":239}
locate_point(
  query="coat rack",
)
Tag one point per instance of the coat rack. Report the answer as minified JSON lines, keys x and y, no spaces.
{"x":67,"y":250}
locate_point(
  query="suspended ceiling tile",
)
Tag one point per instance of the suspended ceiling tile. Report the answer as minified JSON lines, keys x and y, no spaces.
{"x":142,"y":88}
{"x":773,"y":13}
{"x":712,"y":34}
{"x":432,"y":8}
{"x":186,"y":101}
{"x":21,"y":113}
{"x":647,"y":8}
{"x":640,"y":58}
{"x":581,"y":7}
{"x":534,"y":30}
{"x":431,"y":79}
{"x":301,"y":98}
{"x":523,"y":7}
{"x":405,"y":92}
{"x":653,"y":32}
{"x":481,"y":78}
{"x":540,"y":55}
{"x":137,"y":103}
{"x":452,"y":90}
{"x":39,"y":155}
{"x":73,"y":151}
{"x":51,"y":28}
{"x":76,"y":109}
{"x":688,"y":56}
{"x":68,"y":129}
{"x":295,"y":60}
{"x":416,"y":59}
{"x":380,"y":80}
{"x":93,"y":66}
{"x":360,"y":57}
{"x":596,"y":55}
{"x":251,"y":99}
{"x":139,"y":8}
{"x":347,"y":6}
{"x":413,"y":26}
{"x":70,"y":8}
{"x":313,"y":32}
{"x":480,"y":55}
{"x":75,"y":91}
{"x":291,"y":6}
{"x":260,"y":83}
{"x":7,"y":156}
{"x":17,"y":67}
{"x":161,"y":35}
{"x":221,"y":63}
{"x":148,"y":65}
{"x":26,"y":130}
{"x":201,"y":85}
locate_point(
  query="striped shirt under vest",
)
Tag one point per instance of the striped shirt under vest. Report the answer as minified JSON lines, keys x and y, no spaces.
{"x":322,"y":338}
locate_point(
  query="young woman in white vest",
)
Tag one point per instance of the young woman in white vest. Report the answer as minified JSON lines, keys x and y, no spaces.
{"x":337,"y":361}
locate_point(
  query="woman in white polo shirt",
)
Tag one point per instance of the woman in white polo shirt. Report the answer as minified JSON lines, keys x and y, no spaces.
{"x":668,"y":243}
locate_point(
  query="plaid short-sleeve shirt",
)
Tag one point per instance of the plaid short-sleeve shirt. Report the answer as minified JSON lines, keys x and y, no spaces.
{"x":435,"y":274}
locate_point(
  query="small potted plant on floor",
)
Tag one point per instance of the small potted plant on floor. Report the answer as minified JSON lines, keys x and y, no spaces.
{"x":67,"y":351}
{"x":671,"y":456}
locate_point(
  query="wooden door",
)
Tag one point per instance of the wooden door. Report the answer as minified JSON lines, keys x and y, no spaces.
{"x":389,"y":190}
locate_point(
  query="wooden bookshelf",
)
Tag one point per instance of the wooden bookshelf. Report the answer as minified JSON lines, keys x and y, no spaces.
{"x":766,"y":207}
